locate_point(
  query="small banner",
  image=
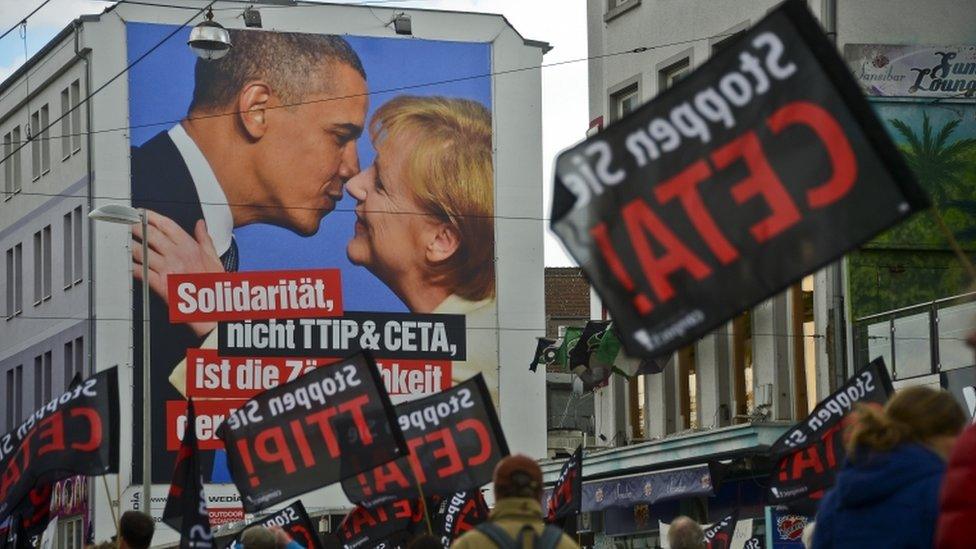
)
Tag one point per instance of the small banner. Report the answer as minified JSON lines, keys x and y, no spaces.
{"x":186,"y":503}
{"x":366,"y":527}
{"x":760,"y":167}
{"x":328,"y":424}
{"x":810,"y":453}
{"x":719,"y":535}
{"x":76,"y":433}
{"x":567,"y":495}
{"x":455,"y":440}
{"x":453,"y":515}
{"x":295,"y":522}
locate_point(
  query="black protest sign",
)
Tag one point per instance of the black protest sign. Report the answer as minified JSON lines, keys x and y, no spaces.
{"x":455,"y":440}
{"x":295,"y":522}
{"x":328,"y":424}
{"x":369,"y":527}
{"x":567,"y":494}
{"x":186,"y":504}
{"x":76,"y":433}
{"x":760,"y":167}
{"x":810,"y":453}
{"x":453,"y":515}
{"x":387,"y":335}
{"x":719,"y":535}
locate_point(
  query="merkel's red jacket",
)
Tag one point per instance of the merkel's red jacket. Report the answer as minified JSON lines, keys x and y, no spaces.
{"x":957,"y":504}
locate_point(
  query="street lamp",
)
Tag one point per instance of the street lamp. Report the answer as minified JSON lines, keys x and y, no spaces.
{"x":209,"y":39}
{"x":127,"y":215}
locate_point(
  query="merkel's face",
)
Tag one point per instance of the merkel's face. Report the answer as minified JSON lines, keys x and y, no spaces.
{"x":390,"y":223}
{"x":310,"y":152}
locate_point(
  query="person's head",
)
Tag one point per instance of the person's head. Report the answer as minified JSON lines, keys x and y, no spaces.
{"x":425,"y":541}
{"x":299,"y":103}
{"x":916,"y":414}
{"x":518,"y":476}
{"x":685,"y":533}
{"x":426,"y":205}
{"x":258,"y":537}
{"x":135,"y":530}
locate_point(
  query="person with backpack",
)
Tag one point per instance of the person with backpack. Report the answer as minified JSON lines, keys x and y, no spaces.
{"x":516,"y":521}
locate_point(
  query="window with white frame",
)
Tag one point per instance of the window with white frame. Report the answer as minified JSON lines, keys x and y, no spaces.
{"x":35,"y":124}
{"x":11,"y":166}
{"x":15,"y":396}
{"x":624,"y":101}
{"x":70,"y":533}
{"x":42,"y":265}
{"x":75,"y":117}
{"x":72,"y":248}
{"x":43,"y":374}
{"x":670,"y":75}
{"x":65,"y":124}
{"x":45,"y":139}
{"x":74,"y":360}
{"x":15,"y":280}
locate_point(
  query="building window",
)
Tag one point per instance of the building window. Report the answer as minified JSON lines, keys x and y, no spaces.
{"x":70,"y":532}
{"x":74,"y":360}
{"x":615,"y":8}
{"x":670,"y":75}
{"x":15,"y":396}
{"x":624,"y":102}
{"x":726,"y":42}
{"x":742,"y":366}
{"x":43,"y":372}
{"x":11,"y":167}
{"x":72,"y":259}
{"x":35,"y":124}
{"x":635,"y":406}
{"x":688,"y":387}
{"x":45,"y":141}
{"x":804,"y":347}
{"x":42,"y":265}
{"x":75,"y":117}
{"x":15,"y":281}
{"x":65,"y":124}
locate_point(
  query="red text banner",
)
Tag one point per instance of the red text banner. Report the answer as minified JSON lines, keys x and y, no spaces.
{"x":455,"y":441}
{"x":811,"y":452}
{"x":210,"y":415}
{"x":209,"y":297}
{"x":327,"y":425}
{"x":210,"y":375}
{"x":757,"y":169}
{"x":76,"y":433}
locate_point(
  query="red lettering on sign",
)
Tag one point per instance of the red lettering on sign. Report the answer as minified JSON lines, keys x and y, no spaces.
{"x":278,"y":454}
{"x":684,"y":186}
{"x":832,"y":136}
{"x":302,"y":442}
{"x":484,"y":441}
{"x":321,"y":418}
{"x":762,"y":181}
{"x":51,"y":428}
{"x":600,"y":234}
{"x":808,"y":458}
{"x":447,"y":449}
{"x":355,"y":407}
{"x":245,"y":452}
{"x":94,"y":429}
{"x":641,"y":221}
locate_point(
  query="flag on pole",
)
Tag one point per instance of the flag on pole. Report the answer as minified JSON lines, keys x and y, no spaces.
{"x":186,"y":504}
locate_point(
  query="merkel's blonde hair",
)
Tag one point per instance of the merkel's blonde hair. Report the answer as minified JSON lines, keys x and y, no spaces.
{"x":914,"y":414}
{"x":450,"y":172}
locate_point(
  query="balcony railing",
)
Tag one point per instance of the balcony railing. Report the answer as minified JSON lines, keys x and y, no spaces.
{"x":921,"y":339}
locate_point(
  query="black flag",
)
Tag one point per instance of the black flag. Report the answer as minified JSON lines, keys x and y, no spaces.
{"x":186,"y":504}
{"x":810,"y":453}
{"x":567,"y":495}
{"x":540,"y":349}
{"x":729,"y":188}
{"x":453,"y":515}
{"x":719,"y":535}
{"x":295,"y":522}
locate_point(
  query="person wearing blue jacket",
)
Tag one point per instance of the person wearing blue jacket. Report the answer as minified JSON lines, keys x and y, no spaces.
{"x":887,"y":493}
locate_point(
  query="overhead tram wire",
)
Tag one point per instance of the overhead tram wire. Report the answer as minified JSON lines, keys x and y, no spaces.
{"x":88,"y":97}
{"x":23,"y":19}
{"x":23,"y":143}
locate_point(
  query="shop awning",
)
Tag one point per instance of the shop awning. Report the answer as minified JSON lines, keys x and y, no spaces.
{"x":647,"y":488}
